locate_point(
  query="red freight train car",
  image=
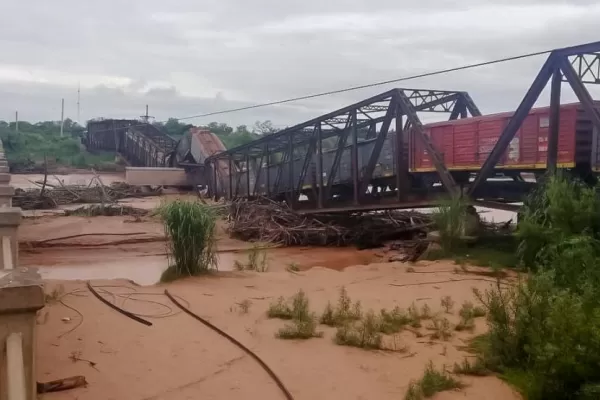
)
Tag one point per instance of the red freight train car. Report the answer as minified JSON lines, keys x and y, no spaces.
{"x":466,"y":143}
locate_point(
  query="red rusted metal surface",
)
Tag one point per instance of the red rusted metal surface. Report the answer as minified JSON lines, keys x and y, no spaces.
{"x":466,"y":143}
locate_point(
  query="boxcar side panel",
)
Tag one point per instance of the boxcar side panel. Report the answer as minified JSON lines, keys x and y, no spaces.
{"x":466,"y":144}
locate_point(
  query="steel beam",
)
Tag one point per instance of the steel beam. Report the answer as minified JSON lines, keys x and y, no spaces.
{"x":354,"y":157}
{"x":310,"y":150}
{"x":554,"y":123}
{"x":417,"y":127}
{"x":375,"y":153}
{"x":341,"y":145}
{"x":401,"y":164}
{"x":291,"y":170}
{"x":320,"y":199}
{"x":515,"y":122}
{"x":581,"y":92}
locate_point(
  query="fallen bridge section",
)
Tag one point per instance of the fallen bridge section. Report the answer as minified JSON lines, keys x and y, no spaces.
{"x":141,"y":144}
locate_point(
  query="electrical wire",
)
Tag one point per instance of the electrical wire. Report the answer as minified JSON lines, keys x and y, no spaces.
{"x":369,"y":85}
{"x":358,"y":87}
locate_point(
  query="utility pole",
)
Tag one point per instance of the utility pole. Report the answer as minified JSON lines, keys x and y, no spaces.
{"x":62,"y":116}
{"x":78,"y":102}
{"x":146,"y":117}
{"x":17,"y":121}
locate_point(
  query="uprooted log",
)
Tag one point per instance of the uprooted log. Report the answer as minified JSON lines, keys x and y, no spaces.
{"x":51,"y":196}
{"x":267,"y":221}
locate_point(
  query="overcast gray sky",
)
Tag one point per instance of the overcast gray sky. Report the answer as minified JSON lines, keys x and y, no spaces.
{"x":186,"y":57}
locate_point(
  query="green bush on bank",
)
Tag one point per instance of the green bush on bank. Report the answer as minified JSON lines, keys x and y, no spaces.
{"x":545,"y":333}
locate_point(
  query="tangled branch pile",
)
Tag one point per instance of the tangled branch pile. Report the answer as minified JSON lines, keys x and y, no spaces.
{"x":50,"y":196}
{"x":267,"y":221}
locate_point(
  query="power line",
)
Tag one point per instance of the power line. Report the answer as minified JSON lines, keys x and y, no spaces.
{"x":352,"y":88}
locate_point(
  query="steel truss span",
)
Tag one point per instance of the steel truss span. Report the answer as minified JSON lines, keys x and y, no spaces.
{"x":142,"y":144}
{"x":359,"y":157}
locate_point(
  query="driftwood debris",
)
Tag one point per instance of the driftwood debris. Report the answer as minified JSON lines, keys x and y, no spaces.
{"x":50,"y":196}
{"x":267,"y":221}
{"x":61,"y":384}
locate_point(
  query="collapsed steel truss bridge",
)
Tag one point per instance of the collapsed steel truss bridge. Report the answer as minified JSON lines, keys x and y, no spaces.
{"x":357,"y":158}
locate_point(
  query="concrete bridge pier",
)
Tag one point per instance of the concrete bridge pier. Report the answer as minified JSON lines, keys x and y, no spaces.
{"x":21,"y":296}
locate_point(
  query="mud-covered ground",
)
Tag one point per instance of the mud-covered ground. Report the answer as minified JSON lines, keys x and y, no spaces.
{"x":179,"y":358}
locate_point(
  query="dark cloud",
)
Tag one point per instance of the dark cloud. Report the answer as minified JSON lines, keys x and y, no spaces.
{"x":188,"y":57}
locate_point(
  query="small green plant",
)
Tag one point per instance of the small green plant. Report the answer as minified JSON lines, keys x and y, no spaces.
{"x":365,"y":333}
{"x":475,"y":368}
{"x":257,"y":259}
{"x":295,"y":308}
{"x":280,"y":309}
{"x":441,"y":328}
{"x":245,"y":306}
{"x":190,"y":227}
{"x":55,"y":295}
{"x":469,"y":311}
{"x":447,"y":304}
{"x":293,"y":267}
{"x":432,"y":382}
{"x":393,"y":321}
{"x":344,"y":312}
{"x":426,"y":312}
{"x":414,"y":315}
{"x":305,"y":328}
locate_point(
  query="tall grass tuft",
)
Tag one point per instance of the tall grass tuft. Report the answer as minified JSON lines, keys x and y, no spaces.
{"x":190,"y":227}
{"x":450,"y":218}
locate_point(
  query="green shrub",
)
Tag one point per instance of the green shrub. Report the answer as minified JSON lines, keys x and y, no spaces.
{"x":449,"y":219}
{"x":190,"y":229}
{"x":296,"y":307}
{"x":432,"y":382}
{"x":344,"y":312}
{"x":300,"y":329}
{"x":365,"y":333}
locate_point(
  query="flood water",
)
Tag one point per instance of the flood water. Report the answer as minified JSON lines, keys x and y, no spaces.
{"x":147,"y":270}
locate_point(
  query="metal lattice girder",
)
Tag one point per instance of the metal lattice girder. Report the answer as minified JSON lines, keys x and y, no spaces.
{"x":301,"y":148}
{"x":371,"y":110}
{"x":560,"y":61}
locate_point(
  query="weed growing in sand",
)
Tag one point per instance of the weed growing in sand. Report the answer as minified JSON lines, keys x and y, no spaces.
{"x":190,"y":227}
{"x":468,"y":310}
{"x":303,"y":323}
{"x":294,"y":308}
{"x":393,"y":321}
{"x":426,"y":312}
{"x":414,"y":315}
{"x":300,"y":329}
{"x":447,"y":304}
{"x":55,"y":294}
{"x":365,"y":333}
{"x":475,"y":368}
{"x":432,"y":382}
{"x":245,"y":306}
{"x":257,"y":261}
{"x":344,"y":312}
{"x":441,"y":328}
{"x":293,"y":267}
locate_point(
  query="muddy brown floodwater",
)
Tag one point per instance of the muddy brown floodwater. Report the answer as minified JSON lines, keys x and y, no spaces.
{"x":178,"y":358}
